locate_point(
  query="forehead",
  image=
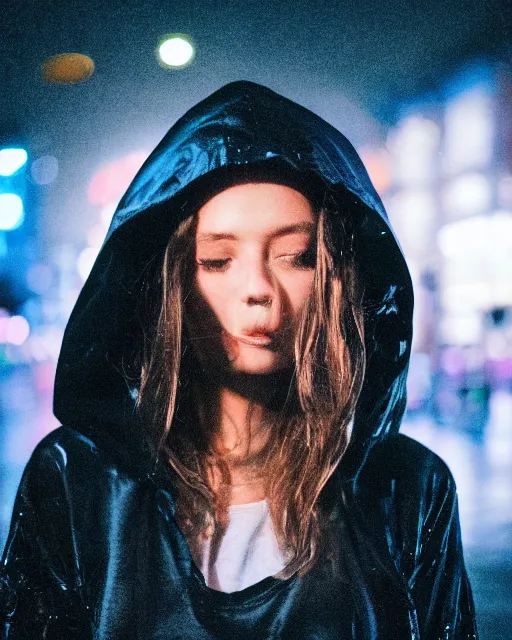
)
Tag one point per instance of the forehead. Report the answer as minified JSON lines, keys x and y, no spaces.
{"x":255,"y":208}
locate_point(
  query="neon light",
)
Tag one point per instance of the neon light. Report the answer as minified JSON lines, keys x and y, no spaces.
{"x":11,"y":211}
{"x":11,"y":160}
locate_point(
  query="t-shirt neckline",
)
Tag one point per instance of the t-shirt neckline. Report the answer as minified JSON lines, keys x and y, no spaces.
{"x":239,"y":599}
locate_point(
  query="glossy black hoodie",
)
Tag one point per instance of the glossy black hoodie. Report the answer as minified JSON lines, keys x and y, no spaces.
{"x":94,"y":550}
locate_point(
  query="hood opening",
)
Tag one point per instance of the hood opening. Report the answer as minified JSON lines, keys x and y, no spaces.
{"x":242,"y":133}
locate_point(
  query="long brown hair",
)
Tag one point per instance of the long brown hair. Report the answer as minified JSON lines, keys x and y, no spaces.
{"x":310,"y":432}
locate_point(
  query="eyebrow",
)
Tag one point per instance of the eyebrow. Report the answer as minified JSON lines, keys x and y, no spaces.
{"x":300,"y":227}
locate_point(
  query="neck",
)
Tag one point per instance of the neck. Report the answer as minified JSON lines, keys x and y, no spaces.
{"x":240,"y":408}
{"x":240,"y":432}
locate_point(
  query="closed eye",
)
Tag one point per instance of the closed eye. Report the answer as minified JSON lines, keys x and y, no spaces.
{"x":301,"y":260}
{"x":214,"y":265}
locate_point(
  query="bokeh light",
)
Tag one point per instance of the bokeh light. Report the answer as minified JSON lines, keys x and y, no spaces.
{"x":176,"y":51}
{"x":378,"y":165}
{"x":67,"y":68}
{"x":18,"y":330}
{"x":11,"y":211}
{"x":14,"y":330}
{"x":11,"y":160}
{"x":110,"y":182}
{"x":467,"y":194}
{"x":85,"y":261}
{"x":414,"y":148}
{"x":44,"y":170}
{"x":39,"y":278}
{"x":469,"y":131}
{"x":106,"y":213}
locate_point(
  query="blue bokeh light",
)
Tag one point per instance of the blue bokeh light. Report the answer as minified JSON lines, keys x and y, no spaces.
{"x":11,"y":160}
{"x":11,"y":211}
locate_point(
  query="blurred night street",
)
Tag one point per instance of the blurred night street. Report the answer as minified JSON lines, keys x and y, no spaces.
{"x":423,"y":92}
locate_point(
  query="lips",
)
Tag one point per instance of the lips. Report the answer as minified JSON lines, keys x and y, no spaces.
{"x":255,"y":339}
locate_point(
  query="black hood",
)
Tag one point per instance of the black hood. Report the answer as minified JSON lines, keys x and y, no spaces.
{"x":241,"y":130}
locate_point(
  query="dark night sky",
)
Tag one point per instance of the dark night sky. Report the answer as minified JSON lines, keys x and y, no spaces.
{"x":351,"y":62}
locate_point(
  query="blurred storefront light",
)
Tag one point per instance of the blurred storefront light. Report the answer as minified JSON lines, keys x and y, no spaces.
{"x":413,"y":215}
{"x":96,"y":235}
{"x":107,"y":213}
{"x":466,"y":297}
{"x":478,"y":262}
{"x":85,"y":261}
{"x":378,"y":164}
{"x":467,"y":195}
{"x":497,"y":345}
{"x":469,"y":131}
{"x":486,"y":237}
{"x":461,"y":329}
{"x":419,"y":381}
{"x":4,"y":324}
{"x":452,"y":361}
{"x":504,"y":191}
{"x":414,"y":146}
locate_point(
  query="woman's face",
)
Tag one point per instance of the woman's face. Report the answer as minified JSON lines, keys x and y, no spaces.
{"x":255,"y":246}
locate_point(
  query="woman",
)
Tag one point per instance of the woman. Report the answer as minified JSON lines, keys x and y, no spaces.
{"x":231,"y":385}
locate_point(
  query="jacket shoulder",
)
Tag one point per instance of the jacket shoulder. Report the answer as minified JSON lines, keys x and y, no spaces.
{"x":61,"y":441}
{"x":60,"y":449}
{"x":413,"y":490}
{"x":403,"y":466}
{"x":410,"y":498}
{"x":413,"y":458}
{"x":71,"y":449}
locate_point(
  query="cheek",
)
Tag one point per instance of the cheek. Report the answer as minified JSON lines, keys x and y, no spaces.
{"x":299,"y":291}
{"x":211,"y":289}
{"x":211,"y":300}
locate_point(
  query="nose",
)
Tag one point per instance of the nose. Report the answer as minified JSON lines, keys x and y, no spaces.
{"x":257,"y":286}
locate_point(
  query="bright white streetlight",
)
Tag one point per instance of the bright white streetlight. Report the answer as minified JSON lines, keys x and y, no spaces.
{"x":176,"y":51}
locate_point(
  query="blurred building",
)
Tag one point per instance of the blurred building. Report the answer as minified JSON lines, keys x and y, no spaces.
{"x":445,"y":176}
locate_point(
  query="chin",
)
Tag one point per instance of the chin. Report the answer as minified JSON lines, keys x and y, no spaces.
{"x":266,"y":364}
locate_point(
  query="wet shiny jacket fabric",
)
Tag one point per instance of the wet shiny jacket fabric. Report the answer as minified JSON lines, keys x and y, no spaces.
{"x":94,"y":551}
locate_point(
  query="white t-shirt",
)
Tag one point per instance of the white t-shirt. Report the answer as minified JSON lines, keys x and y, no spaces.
{"x":248,"y":551}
